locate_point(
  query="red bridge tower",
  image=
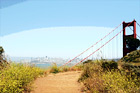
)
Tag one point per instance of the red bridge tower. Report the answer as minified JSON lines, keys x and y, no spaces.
{"x":133,"y":23}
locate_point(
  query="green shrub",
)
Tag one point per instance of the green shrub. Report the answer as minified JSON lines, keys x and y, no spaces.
{"x":55,"y":69}
{"x":127,"y":66}
{"x":133,"y":56}
{"x":130,"y":68}
{"x":88,"y":61}
{"x":109,"y":65}
{"x":16,"y":78}
{"x":131,"y":63}
{"x":3,"y":61}
{"x":118,"y":82}
{"x":98,"y":80}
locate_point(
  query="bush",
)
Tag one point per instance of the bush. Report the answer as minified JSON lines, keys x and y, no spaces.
{"x":132,"y":43}
{"x":88,"y":61}
{"x":109,"y":65}
{"x":133,"y":56}
{"x":89,"y":69}
{"x":3,"y":61}
{"x":17,"y":78}
{"x":118,"y":82}
{"x":55,"y":69}
{"x":130,"y":68}
{"x":131,"y":63}
{"x":98,"y":80}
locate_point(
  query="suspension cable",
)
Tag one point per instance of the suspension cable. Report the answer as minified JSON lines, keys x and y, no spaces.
{"x":138,"y":24}
{"x":101,"y":46}
{"x":92,"y":45}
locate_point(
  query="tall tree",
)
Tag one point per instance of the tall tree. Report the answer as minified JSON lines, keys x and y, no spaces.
{"x":132,"y":43}
{"x":3,"y":61}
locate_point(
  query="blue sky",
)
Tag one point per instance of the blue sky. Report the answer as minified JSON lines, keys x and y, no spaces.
{"x":66,"y":19}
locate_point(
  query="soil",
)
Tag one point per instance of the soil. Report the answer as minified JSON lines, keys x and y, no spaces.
{"x":65,"y":82}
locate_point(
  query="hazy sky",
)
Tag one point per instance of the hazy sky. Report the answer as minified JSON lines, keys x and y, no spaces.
{"x":60,"y":28}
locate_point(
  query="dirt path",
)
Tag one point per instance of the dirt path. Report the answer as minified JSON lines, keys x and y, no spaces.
{"x":58,"y":83}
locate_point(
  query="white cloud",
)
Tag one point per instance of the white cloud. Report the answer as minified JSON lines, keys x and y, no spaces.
{"x":55,"y":42}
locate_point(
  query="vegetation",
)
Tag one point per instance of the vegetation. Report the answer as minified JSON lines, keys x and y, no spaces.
{"x":98,"y":76}
{"x":17,"y":78}
{"x":109,"y":65}
{"x":56,"y":69}
{"x":132,"y":57}
{"x":132,"y":43}
{"x":102,"y":76}
{"x":3,"y":62}
{"x":131,"y":63}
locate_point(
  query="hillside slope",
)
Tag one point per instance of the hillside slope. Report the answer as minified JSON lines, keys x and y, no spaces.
{"x":132,"y":57}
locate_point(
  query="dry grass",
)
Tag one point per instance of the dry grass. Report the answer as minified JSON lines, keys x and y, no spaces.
{"x":98,"y":80}
{"x":56,"y":69}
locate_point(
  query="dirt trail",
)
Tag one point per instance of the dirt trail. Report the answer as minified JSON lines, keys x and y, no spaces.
{"x":58,"y":83}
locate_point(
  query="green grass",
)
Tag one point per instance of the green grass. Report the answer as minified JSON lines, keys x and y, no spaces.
{"x":17,"y":78}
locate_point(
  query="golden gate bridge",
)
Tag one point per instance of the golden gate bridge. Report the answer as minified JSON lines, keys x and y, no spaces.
{"x":118,"y":38}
